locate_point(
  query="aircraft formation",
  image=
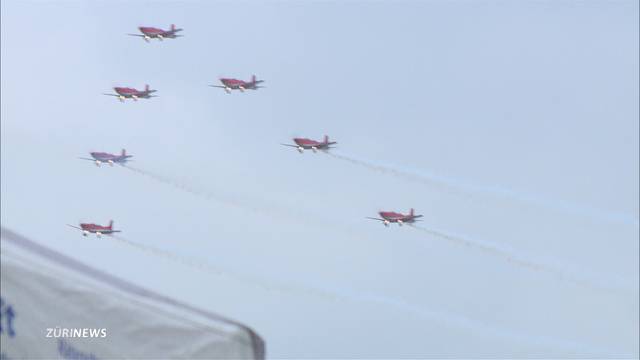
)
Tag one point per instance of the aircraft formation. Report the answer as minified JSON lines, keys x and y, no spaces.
{"x":228,"y":84}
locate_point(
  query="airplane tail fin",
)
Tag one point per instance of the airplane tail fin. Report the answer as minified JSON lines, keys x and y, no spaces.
{"x":146,"y":87}
{"x":173,"y":27}
{"x":411,"y":212}
{"x":326,"y":139}
{"x":110,"y":224}
{"x":124,"y":152}
{"x":253,"y":79}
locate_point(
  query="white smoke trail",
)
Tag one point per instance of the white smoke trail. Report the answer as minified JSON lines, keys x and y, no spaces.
{"x":468,"y":190}
{"x":257,"y":206}
{"x":208,"y":195}
{"x":384,"y":169}
{"x":273,"y":211}
{"x":342,"y":295}
{"x":488,"y":248}
{"x":178,"y":185}
{"x":205,"y":267}
{"x":511,"y":256}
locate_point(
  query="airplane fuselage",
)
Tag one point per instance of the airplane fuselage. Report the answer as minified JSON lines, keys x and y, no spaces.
{"x":129,"y":93}
{"x":151,"y":32}
{"x":310,"y":144}
{"x":236,"y":84}
{"x":394,"y":217}
{"x":106,"y":157}
{"x":96,"y":229}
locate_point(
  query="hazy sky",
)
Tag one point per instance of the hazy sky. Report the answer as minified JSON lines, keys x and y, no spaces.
{"x":527,"y":112}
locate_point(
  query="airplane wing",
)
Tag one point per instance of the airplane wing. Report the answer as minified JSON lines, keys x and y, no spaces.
{"x":111,"y":94}
{"x":295,"y":146}
{"x":375,"y":218}
{"x":140,"y":35}
{"x":86,"y":159}
{"x":75,"y":227}
{"x":218,"y":86}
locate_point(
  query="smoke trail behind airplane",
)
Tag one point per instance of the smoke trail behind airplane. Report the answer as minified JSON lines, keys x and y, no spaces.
{"x":493,"y":249}
{"x":350,"y":296}
{"x":258,"y":206}
{"x":576,"y":277}
{"x":361,"y":297}
{"x":208,"y":195}
{"x":467,"y":189}
{"x":205,"y":267}
{"x":389,"y":170}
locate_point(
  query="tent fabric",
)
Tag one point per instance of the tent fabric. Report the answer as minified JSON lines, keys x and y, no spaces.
{"x":53,"y":306}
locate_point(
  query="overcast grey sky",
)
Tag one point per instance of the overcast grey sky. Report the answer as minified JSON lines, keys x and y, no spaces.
{"x":527,"y":111}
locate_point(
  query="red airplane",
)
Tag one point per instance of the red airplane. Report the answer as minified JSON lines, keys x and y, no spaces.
{"x":149,"y":33}
{"x":100,"y":157}
{"x":99,"y":230}
{"x":131,"y":93}
{"x":235,"y":84}
{"x":306,"y":144}
{"x":394,"y":217}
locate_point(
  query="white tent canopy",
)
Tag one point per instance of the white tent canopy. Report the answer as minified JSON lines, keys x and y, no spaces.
{"x":56,"y":307}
